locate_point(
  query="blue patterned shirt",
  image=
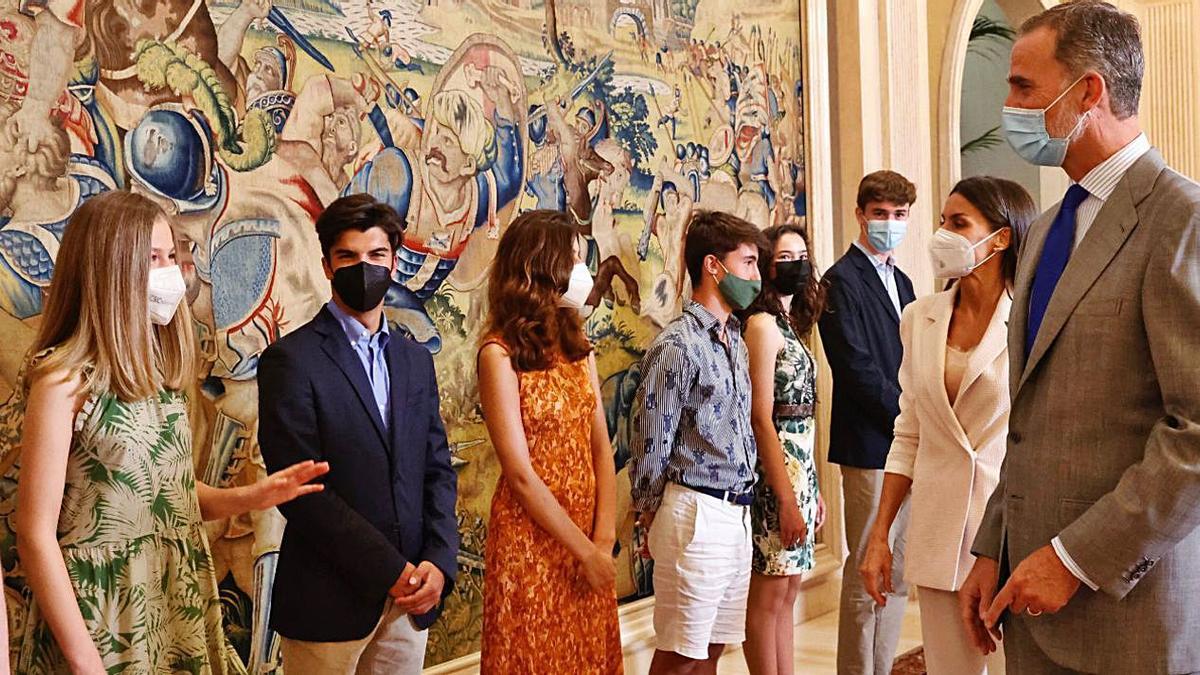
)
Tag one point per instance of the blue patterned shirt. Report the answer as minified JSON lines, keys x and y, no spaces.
{"x":691,"y":415}
{"x":371,"y":349}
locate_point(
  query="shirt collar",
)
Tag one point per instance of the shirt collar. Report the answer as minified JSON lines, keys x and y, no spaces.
{"x":881,"y":265}
{"x":1101,"y":181}
{"x":706,"y":319}
{"x":354,"y":330}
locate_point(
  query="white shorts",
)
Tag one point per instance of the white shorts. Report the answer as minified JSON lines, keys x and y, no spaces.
{"x":701,"y":547}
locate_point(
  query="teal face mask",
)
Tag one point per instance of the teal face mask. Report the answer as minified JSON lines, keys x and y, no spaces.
{"x":1025,"y":130}
{"x":886,"y":235}
{"x":738,"y":292}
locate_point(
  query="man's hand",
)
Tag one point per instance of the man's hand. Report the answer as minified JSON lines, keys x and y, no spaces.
{"x":646,"y":519}
{"x":1041,"y":583}
{"x":429,"y":584}
{"x":974,"y":598}
{"x":407,"y":584}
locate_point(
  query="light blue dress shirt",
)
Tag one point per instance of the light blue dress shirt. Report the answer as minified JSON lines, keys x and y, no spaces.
{"x":371,"y":349}
{"x":887,"y":275}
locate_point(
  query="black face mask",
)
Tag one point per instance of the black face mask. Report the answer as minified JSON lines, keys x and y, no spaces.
{"x":791,"y":276}
{"x":362,"y":286}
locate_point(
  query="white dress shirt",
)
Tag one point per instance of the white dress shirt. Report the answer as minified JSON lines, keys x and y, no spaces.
{"x":1100,"y":183}
{"x":886,"y":269}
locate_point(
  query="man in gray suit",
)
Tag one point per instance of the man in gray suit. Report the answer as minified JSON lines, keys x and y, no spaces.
{"x":1089,"y":549}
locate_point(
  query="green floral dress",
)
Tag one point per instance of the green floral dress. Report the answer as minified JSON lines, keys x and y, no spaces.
{"x":795,"y":384}
{"x":134,"y":545}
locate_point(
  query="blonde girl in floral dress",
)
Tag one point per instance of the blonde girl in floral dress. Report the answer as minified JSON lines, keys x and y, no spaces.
{"x":787,"y":509}
{"x":110,"y":540}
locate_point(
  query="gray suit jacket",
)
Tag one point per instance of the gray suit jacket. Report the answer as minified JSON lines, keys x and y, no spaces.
{"x":1104,"y":433}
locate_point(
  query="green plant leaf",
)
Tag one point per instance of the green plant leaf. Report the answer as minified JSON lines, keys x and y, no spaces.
{"x":988,"y":140}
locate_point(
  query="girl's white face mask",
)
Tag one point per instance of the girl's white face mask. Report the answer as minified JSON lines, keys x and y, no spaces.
{"x":165,"y":292}
{"x":578,"y":288}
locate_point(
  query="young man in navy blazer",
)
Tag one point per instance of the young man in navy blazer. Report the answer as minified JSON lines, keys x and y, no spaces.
{"x":860,"y":330}
{"x":365,"y":564}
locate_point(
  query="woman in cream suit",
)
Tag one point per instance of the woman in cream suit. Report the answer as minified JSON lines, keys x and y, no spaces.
{"x":951,"y":433}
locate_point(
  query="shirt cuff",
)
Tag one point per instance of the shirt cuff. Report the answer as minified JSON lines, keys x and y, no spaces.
{"x":1069,"y":563}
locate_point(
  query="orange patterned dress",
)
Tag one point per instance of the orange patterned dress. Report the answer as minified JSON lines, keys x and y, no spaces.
{"x":539,"y":614}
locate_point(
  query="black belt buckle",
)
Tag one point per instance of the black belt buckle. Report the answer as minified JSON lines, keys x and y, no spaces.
{"x":735,"y":498}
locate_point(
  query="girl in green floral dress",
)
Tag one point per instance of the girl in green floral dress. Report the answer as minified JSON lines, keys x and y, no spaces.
{"x":110,"y":541}
{"x":787,"y":509}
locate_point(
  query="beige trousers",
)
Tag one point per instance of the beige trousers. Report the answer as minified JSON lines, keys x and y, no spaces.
{"x":948,"y":648}
{"x":394,"y":647}
{"x":868,"y":634}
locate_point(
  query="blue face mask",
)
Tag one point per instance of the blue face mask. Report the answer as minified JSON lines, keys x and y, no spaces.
{"x":1026,"y":132}
{"x":886,"y":235}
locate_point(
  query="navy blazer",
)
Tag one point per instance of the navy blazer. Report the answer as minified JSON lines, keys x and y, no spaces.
{"x":388,"y":498}
{"x":860,"y":331}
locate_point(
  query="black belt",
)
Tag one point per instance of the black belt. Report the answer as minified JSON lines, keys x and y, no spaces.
{"x":740,"y":499}
{"x":786,"y":412}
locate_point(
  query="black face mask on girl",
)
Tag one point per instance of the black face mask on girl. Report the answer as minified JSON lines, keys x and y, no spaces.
{"x":791,"y":276}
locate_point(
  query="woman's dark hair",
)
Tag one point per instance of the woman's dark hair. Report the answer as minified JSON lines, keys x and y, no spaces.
{"x":529,"y":275}
{"x":808,"y":304}
{"x":1002,"y":203}
{"x":359,"y":212}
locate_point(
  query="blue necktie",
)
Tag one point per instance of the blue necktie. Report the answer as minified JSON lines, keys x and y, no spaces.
{"x":1060,"y":241}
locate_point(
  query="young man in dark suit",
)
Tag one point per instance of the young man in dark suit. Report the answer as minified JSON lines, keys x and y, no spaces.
{"x":861,"y":333}
{"x":364,"y":564}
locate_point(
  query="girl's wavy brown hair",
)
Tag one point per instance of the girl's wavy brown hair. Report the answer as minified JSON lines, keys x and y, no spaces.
{"x":530,"y":273}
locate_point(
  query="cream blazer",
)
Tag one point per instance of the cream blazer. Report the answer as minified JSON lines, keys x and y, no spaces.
{"x":952,"y":454}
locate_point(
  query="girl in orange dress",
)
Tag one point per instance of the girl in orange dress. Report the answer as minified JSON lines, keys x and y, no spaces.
{"x":549,"y":600}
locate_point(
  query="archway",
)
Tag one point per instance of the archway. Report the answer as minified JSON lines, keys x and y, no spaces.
{"x":626,"y":16}
{"x":954,"y":62}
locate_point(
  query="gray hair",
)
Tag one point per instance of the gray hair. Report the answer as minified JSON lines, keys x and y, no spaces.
{"x":1095,"y":35}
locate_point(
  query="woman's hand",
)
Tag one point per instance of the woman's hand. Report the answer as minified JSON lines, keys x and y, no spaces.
{"x":876,"y":569}
{"x":598,"y":569}
{"x":287,"y":484}
{"x":792,"y":528}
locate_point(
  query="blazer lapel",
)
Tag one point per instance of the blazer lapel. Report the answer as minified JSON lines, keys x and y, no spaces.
{"x":994,"y":341}
{"x":338,"y":349}
{"x":1018,"y":322}
{"x":868,"y":272}
{"x":933,"y":347}
{"x":1115,"y":222}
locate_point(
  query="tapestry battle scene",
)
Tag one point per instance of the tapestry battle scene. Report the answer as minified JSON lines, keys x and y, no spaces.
{"x":243,"y":119}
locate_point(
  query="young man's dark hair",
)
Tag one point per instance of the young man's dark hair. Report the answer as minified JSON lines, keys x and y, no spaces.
{"x":715,"y":233}
{"x":358,"y":212}
{"x":886,"y":186}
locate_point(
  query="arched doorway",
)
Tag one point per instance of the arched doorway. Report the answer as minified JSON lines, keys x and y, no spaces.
{"x":630,"y":23}
{"x":955,"y":66}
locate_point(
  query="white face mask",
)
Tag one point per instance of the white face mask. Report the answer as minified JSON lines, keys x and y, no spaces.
{"x":578,"y":288}
{"x":953,"y":255}
{"x":166,"y":291}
